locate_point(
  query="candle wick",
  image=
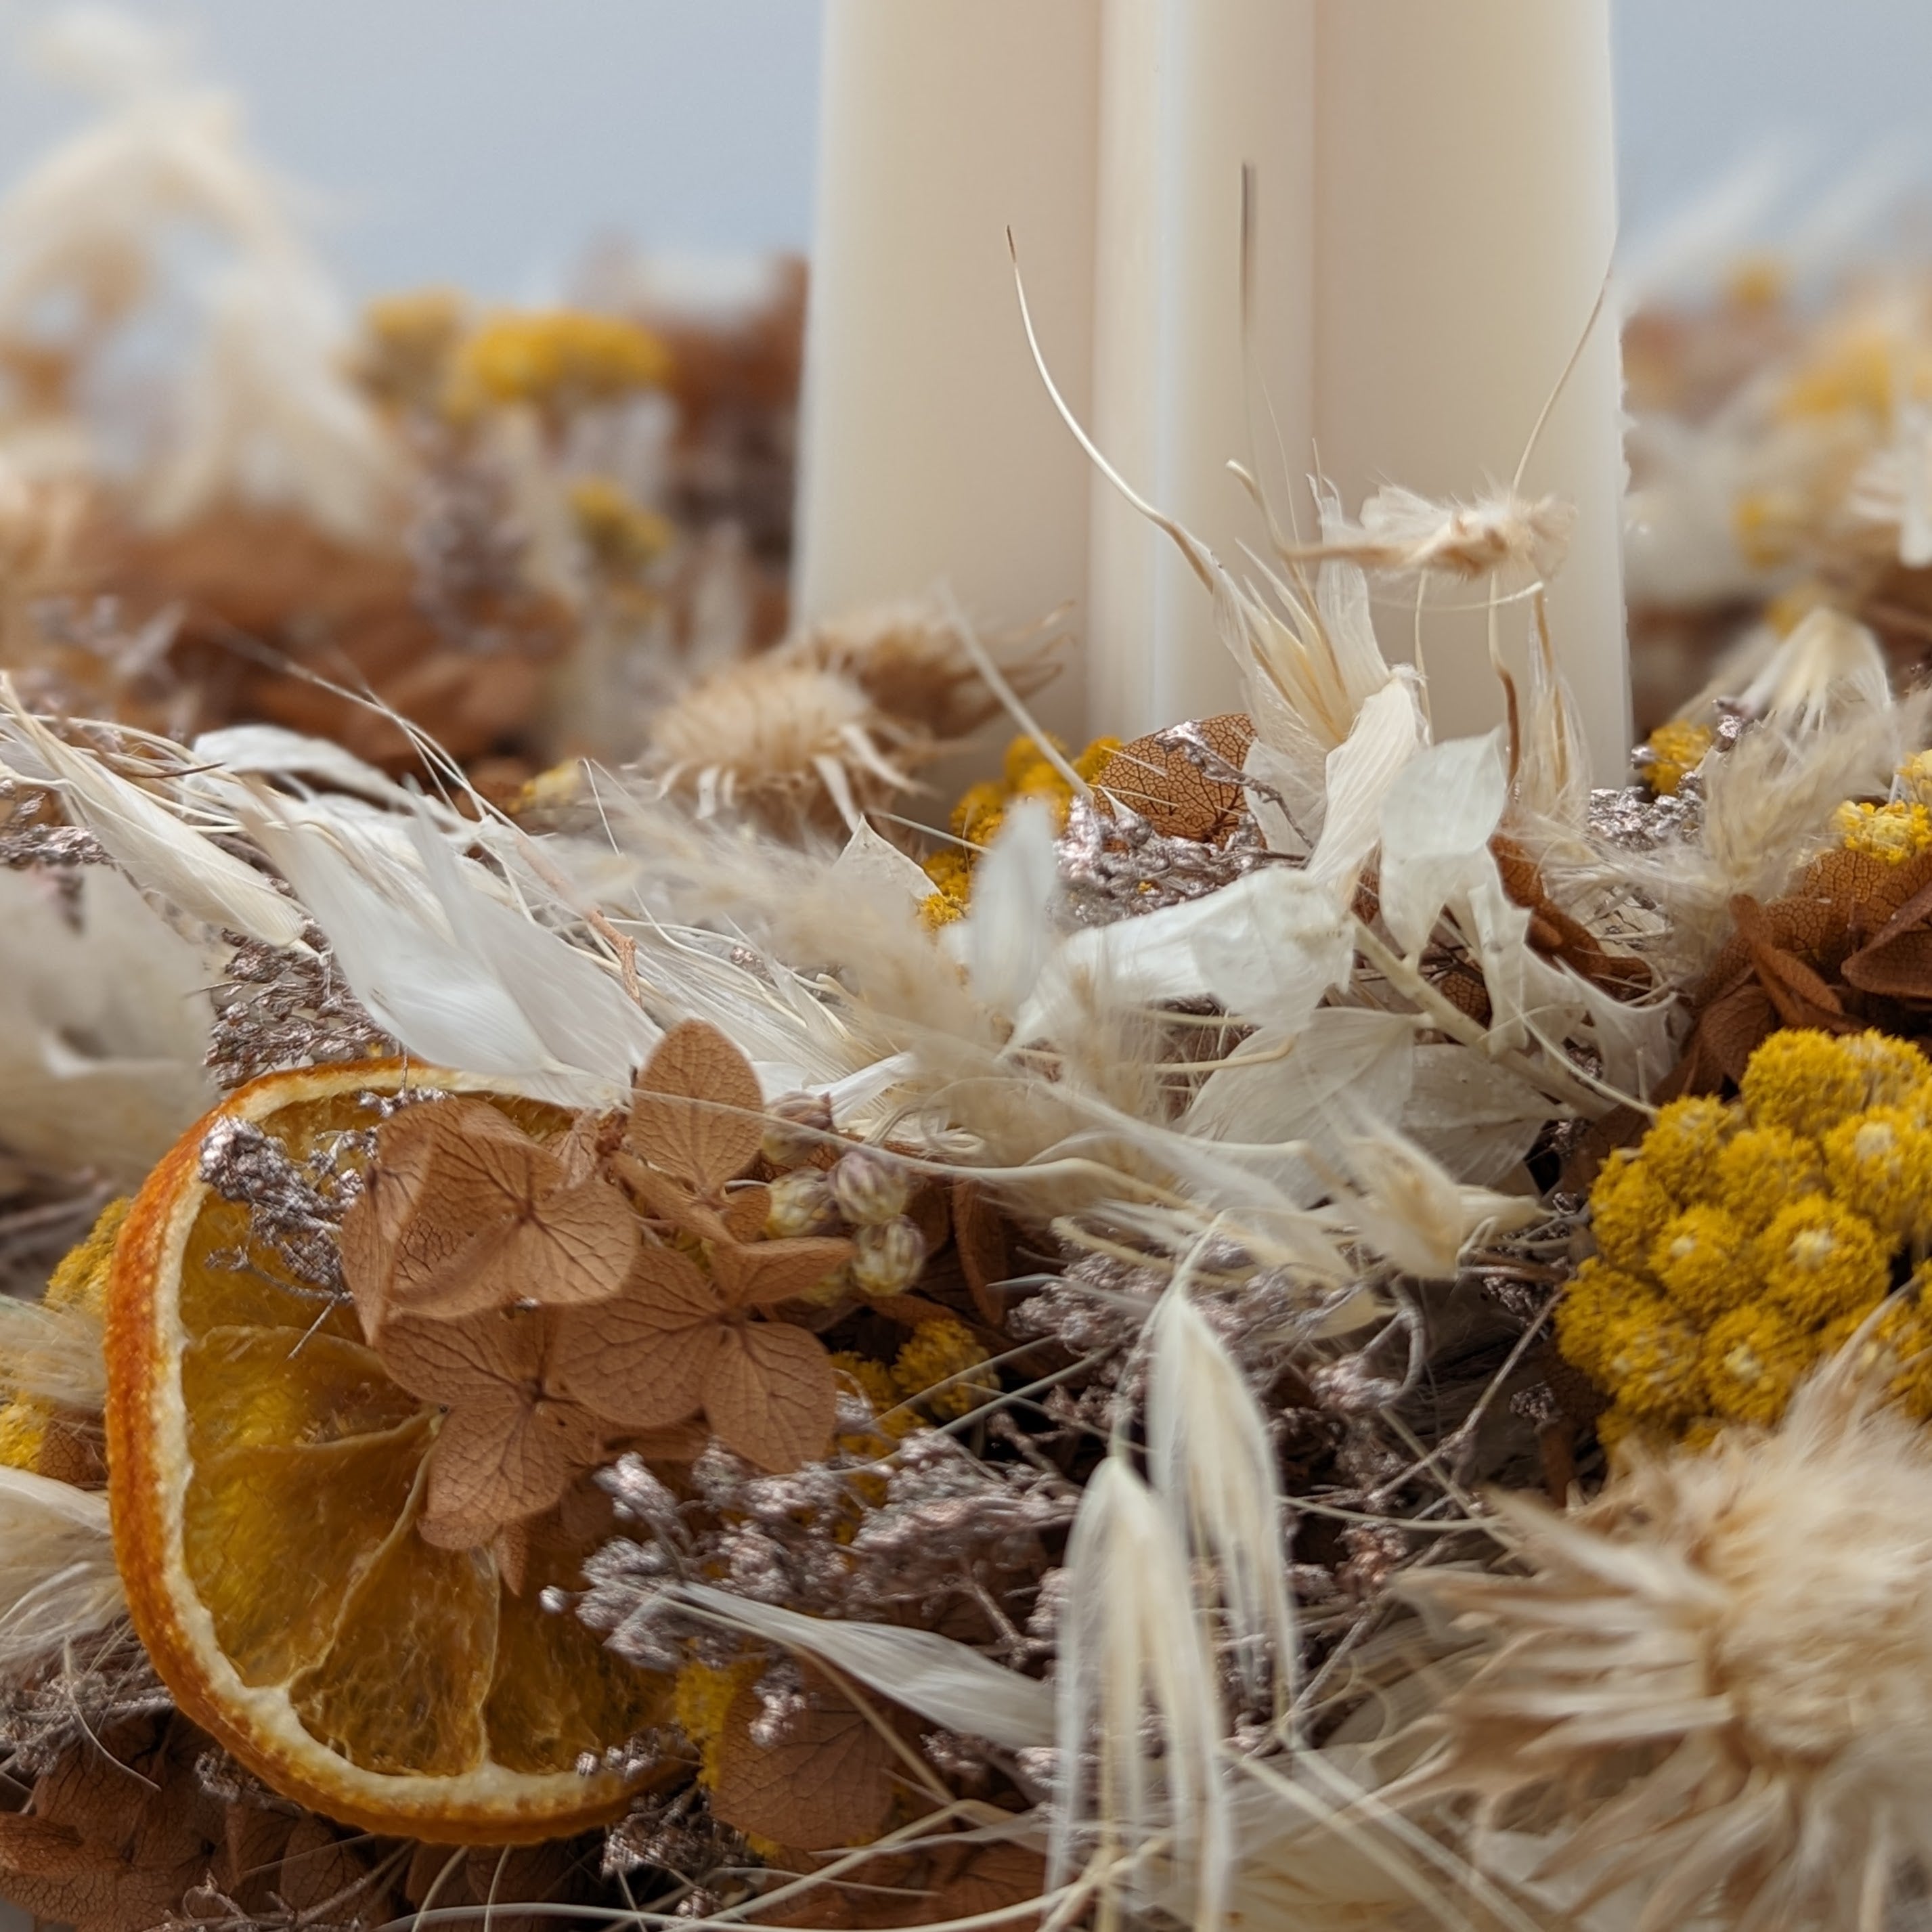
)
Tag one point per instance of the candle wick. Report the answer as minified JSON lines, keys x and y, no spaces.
{"x":1562,"y":383}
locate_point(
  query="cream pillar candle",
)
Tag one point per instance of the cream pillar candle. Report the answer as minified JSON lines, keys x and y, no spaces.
{"x":1467,"y":212}
{"x":931,"y":452}
{"x":1191,"y":90}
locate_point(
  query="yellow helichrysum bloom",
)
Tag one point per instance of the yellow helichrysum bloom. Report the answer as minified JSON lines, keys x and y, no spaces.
{"x":1903,"y":1332}
{"x":557,"y":359}
{"x":1629,"y":1207}
{"x":1682,"y":1146}
{"x":1591,"y":1317}
{"x":938,"y":1352}
{"x":1804,"y":1080}
{"x":1702,"y":1259}
{"x":1651,"y":1367}
{"x":1674,"y":751}
{"x":1880,"y":1163}
{"x":1915,"y":778}
{"x":1892,"y":833}
{"x":1753,"y":1358}
{"x":1895,"y":1073}
{"x":1759,"y":1169}
{"x":1818,"y":1260}
{"x":619,"y":533}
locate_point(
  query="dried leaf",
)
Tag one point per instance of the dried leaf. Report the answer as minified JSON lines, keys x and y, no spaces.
{"x":697,"y":1112}
{"x":980,"y":1232}
{"x":1897,"y":963}
{"x":826,"y":1783}
{"x":665,"y":1199}
{"x":771,"y":1394}
{"x":1158,"y":777}
{"x":760,"y":1274}
{"x":465,"y":1212}
{"x":642,"y":1360}
{"x":500,"y":1461}
{"x":745,"y":1214}
{"x":512,"y":1441}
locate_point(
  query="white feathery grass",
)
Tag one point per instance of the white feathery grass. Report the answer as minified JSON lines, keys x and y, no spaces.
{"x":945,"y":1682}
{"x":58,"y":1580}
{"x":461,"y":979}
{"x":1138,"y":1720}
{"x":104,"y":1020}
{"x":142,"y":835}
{"x":1213,"y":1464}
{"x":1007,"y":935}
{"x":270,"y":417}
{"x":1408,"y":1207}
{"x":52,"y":1353}
{"x":1830,"y":662}
{"x":1715,"y":1680}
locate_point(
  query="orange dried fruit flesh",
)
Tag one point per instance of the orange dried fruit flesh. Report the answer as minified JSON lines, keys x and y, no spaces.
{"x":266,"y":1477}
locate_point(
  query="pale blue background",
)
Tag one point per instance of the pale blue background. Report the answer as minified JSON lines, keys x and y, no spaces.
{"x":486,"y":141}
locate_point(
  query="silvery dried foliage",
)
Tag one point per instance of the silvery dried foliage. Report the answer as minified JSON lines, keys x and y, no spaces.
{"x":280,"y":1007}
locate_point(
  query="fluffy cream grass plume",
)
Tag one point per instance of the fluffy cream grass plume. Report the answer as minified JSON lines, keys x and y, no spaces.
{"x":104,"y":1020}
{"x":1139,"y":1717}
{"x":460,"y":977}
{"x":143,"y":834}
{"x":1713,"y":1683}
{"x":58,"y":1581}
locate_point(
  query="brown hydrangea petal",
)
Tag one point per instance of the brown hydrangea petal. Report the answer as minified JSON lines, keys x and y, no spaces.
{"x":770,"y":1394}
{"x":826,"y":1783}
{"x":1165,"y":786}
{"x":641,"y":1361}
{"x":497,"y":1461}
{"x":760,"y":1274}
{"x":466,"y":1361}
{"x":697,"y":1112}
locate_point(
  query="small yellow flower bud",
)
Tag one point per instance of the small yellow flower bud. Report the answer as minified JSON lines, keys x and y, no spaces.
{"x":889,"y":1257}
{"x":871,"y":1188}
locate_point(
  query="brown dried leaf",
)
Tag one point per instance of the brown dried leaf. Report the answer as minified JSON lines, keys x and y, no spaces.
{"x":697,"y":1111}
{"x":497,"y":1462}
{"x":771,"y":1394}
{"x":827,"y":1784}
{"x":1165,"y":785}
{"x":471,"y":1360}
{"x":464,"y":1211}
{"x":761,"y":1274}
{"x":745,"y":1212}
{"x":981,"y":1235}
{"x":665,"y":1199}
{"x":641,"y":1360}
{"x":1897,"y":963}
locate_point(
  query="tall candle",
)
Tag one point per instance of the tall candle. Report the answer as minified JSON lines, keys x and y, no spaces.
{"x":931,"y":452}
{"x":1189,"y":94}
{"x":1467,"y":210}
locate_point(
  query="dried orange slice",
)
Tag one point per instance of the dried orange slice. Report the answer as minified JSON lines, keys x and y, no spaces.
{"x":265,"y":1477}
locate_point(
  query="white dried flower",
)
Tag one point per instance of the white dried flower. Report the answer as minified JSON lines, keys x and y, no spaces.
{"x":799,"y":1203}
{"x":887,"y":1257}
{"x":869,"y":1187}
{"x":1719,"y":1674}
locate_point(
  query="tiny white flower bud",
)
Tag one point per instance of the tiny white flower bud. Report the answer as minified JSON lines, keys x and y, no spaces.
{"x":887,"y":1258}
{"x":799,"y":1203}
{"x":870,"y":1189}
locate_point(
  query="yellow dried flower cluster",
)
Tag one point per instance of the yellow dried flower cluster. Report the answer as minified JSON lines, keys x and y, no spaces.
{"x":80,"y":1284}
{"x":977,"y":818}
{"x":1915,"y":778}
{"x":1743,"y":1241}
{"x":556,"y":359}
{"x":1892,"y":833}
{"x":935,"y":1369}
{"x":621,"y":535}
{"x":1674,"y":751}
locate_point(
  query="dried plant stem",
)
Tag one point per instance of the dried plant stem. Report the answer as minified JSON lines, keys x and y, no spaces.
{"x":1560,"y":1080}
